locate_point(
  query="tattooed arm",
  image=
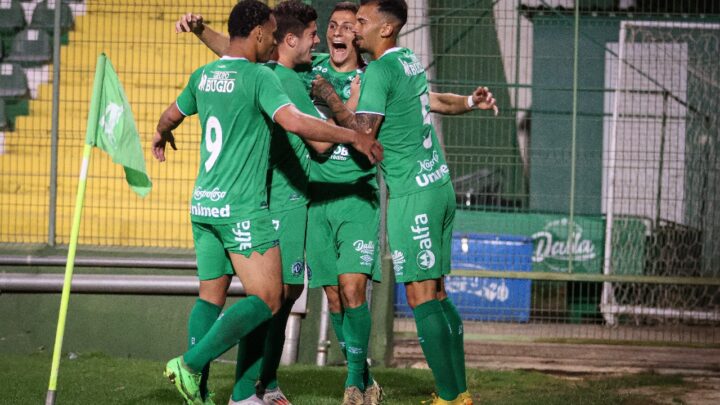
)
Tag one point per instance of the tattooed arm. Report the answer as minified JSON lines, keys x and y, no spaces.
{"x":363,"y":123}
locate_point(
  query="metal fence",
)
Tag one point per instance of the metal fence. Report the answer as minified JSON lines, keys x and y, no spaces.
{"x":594,"y":192}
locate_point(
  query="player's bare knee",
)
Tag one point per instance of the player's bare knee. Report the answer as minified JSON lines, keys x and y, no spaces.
{"x":272,"y":299}
{"x":352,"y":294}
{"x":333,"y":297}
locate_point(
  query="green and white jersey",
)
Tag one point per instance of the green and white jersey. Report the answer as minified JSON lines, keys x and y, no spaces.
{"x":235,"y":100}
{"x":395,"y":86}
{"x":289,"y":155}
{"x":345,"y":164}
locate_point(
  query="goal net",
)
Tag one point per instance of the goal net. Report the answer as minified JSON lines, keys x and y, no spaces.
{"x":661,"y":171}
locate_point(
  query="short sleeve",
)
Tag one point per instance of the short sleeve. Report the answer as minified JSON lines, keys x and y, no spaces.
{"x":374,"y":90}
{"x":187,"y":101}
{"x":271,"y":96}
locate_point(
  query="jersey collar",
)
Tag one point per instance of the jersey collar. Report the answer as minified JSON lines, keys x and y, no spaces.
{"x":393,"y":49}
{"x":225,"y":57}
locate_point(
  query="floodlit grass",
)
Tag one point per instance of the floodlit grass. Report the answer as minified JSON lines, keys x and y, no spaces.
{"x":98,"y":379}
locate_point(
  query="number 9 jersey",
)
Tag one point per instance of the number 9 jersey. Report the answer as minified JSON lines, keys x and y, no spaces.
{"x":236,"y":101}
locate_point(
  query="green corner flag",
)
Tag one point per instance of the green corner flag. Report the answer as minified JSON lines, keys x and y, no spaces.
{"x":110,"y":127}
{"x":114,"y":127}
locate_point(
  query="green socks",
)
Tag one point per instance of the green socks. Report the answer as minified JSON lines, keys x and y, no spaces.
{"x":356,"y":330}
{"x":238,"y":321}
{"x":274,"y":346}
{"x":435,"y":339}
{"x":202,"y":317}
{"x":457,"y":346}
{"x":249,"y":361}
{"x":336,"y":318}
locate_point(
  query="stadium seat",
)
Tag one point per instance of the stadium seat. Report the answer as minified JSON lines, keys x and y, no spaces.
{"x":3,"y":117}
{"x":31,"y":47}
{"x":13,"y":83}
{"x":43,"y":17}
{"x":12,"y":18}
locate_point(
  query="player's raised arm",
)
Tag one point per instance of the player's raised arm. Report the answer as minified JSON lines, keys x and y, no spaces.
{"x":194,"y":23}
{"x":309,"y":127}
{"x":455,"y":104}
{"x":361,"y":123}
{"x":170,"y":119}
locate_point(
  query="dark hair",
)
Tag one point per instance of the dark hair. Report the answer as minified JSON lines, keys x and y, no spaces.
{"x":345,"y":6}
{"x":293,"y":16}
{"x":396,"y":8}
{"x":245,"y":16}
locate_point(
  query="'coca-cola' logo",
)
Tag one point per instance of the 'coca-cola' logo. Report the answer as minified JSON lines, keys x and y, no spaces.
{"x":553,"y":245}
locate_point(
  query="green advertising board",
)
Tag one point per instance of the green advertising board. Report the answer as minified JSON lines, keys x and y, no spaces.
{"x":553,"y":250}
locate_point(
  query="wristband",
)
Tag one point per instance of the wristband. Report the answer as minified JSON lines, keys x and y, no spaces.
{"x":470,"y":103}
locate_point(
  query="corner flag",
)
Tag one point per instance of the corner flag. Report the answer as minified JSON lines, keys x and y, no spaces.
{"x":114,"y":127}
{"x":110,"y":127}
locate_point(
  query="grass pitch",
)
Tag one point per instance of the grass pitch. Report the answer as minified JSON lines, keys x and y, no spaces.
{"x":98,"y":379}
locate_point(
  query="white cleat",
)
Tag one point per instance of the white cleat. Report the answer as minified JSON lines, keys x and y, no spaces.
{"x":275,"y":397}
{"x":253,"y":400}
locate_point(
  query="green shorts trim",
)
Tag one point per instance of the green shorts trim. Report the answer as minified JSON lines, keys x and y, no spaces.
{"x":342,"y":237}
{"x":213,"y":242}
{"x":290,"y":228}
{"x":419,"y":228}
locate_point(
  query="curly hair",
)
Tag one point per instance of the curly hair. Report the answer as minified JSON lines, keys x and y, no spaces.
{"x":293,"y":16}
{"x":245,"y":16}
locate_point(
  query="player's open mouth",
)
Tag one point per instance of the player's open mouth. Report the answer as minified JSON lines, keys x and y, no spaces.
{"x":339,"y":49}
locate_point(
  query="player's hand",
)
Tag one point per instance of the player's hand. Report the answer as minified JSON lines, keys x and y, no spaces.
{"x":190,"y":23}
{"x":158,"y":144}
{"x":366,"y":144}
{"x":483,"y":99}
{"x":355,"y":87}
{"x":321,"y":88}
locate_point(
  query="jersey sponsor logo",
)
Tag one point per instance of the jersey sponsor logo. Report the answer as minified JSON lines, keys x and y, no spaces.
{"x":367,"y":251}
{"x":219,"y":82}
{"x":341,"y":153}
{"x":243,"y":235}
{"x":421,"y":233}
{"x":212,"y":212}
{"x":413,"y":67}
{"x":398,"y":259}
{"x":297,"y":268}
{"x":428,"y":173}
{"x":214,"y":195}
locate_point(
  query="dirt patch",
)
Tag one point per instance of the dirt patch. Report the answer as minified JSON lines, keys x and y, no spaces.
{"x":697,"y":391}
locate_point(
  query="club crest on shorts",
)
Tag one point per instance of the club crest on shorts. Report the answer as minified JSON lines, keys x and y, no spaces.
{"x":426,"y":259}
{"x":297,"y":269}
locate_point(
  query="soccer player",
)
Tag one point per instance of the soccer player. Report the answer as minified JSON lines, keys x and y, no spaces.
{"x":344,"y":211}
{"x":395,"y":105}
{"x":236,"y":100}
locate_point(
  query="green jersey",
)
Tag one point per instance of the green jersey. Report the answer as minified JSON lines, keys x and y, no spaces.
{"x":235,"y":100}
{"x":344,"y":164}
{"x":395,"y":86}
{"x":289,"y":156}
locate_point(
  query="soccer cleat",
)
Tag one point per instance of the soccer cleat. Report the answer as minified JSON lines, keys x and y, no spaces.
{"x":466,"y":397}
{"x":275,"y":397}
{"x":353,"y":396}
{"x":186,"y":382}
{"x":209,"y":398}
{"x":253,"y":400}
{"x":373,"y":394}
{"x":436,"y":400}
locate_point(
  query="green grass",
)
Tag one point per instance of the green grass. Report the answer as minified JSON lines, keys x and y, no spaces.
{"x":98,"y":379}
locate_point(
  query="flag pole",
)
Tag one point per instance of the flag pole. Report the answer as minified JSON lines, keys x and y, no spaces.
{"x":77,"y":215}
